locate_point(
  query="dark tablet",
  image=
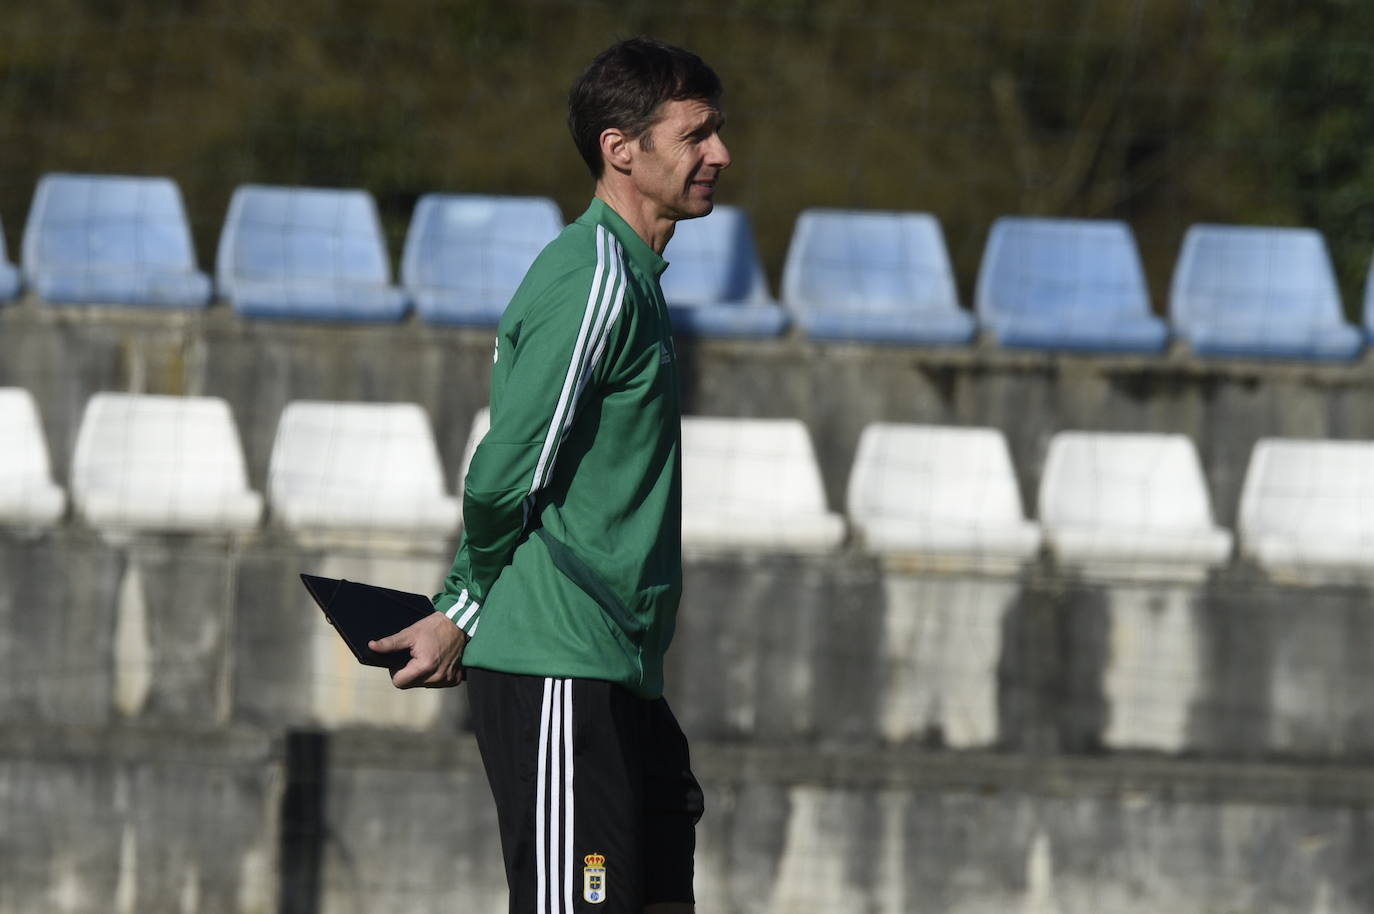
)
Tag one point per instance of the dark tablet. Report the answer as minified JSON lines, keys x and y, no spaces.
{"x":364,"y":612}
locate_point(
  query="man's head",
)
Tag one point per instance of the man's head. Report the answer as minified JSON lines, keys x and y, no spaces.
{"x":646,"y":118}
{"x":626,"y":88}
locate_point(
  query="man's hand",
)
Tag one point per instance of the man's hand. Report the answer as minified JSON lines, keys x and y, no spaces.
{"x":436,"y":653}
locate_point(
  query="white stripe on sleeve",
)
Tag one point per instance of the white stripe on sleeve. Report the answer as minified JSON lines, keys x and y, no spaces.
{"x":604,"y":281}
{"x":467,"y":617}
{"x":603,"y":335}
{"x":458,"y":607}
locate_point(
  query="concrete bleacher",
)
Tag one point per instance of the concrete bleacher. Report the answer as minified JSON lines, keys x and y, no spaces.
{"x":835,"y":394}
{"x":830,"y":696}
{"x":844,"y":682}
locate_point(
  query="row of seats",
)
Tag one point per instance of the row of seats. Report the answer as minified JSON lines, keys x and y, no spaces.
{"x":283,"y":251}
{"x":1061,"y":284}
{"x":175,"y":463}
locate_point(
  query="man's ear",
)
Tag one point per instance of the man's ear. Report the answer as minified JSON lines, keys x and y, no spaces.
{"x":615,"y":149}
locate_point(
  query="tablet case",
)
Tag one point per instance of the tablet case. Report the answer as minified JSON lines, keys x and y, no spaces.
{"x":364,"y":612}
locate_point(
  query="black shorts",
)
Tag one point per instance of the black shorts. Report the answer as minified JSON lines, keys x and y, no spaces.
{"x":595,"y":797}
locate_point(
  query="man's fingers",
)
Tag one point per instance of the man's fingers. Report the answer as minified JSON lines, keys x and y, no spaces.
{"x":410,"y":675}
{"x":445,"y":680}
{"x":390,"y":643}
{"x":421,"y":673}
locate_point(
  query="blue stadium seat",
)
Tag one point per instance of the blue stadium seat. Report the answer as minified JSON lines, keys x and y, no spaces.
{"x":105,"y":239}
{"x":873,"y":276}
{"x":9,"y":273}
{"x":715,"y":284}
{"x":1066,"y":284}
{"x":1259,"y":291}
{"x":312,"y":253}
{"x":1369,"y":301}
{"x":465,"y":254}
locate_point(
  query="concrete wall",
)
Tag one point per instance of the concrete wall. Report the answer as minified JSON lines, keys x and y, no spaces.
{"x":195,"y":632}
{"x":134,"y":820}
{"x":181,"y":732}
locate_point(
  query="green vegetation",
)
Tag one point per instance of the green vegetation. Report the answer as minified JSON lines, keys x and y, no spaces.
{"x":1161,"y":113}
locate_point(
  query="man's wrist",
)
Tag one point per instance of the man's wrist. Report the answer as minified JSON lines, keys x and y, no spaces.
{"x":464,"y":613}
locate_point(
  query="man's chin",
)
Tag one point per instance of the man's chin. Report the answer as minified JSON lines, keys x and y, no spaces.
{"x":698,"y":209}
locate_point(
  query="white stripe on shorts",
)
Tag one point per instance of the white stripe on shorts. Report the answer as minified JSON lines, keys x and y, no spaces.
{"x":553,"y":815}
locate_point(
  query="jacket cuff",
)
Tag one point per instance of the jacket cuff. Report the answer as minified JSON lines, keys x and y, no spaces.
{"x":464,"y":613}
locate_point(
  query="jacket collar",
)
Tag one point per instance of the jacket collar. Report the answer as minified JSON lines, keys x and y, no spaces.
{"x":640,"y":254}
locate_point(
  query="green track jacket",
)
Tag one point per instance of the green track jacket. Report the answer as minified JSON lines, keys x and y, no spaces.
{"x":571,"y":554}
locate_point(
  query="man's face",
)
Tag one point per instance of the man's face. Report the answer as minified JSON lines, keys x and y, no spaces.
{"x":678,"y":166}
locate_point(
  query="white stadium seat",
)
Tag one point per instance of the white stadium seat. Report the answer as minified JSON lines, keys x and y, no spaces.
{"x":753,"y":484}
{"x":28,"y":495}
{"x":1129,"y":499}
{"x":359,"y":467}
{"x":937,"y":490}
{"x":152,"y":462}
{"x":1309,"y":503}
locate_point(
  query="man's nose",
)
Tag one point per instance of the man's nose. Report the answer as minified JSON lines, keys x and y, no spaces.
{"x":717,"y":155}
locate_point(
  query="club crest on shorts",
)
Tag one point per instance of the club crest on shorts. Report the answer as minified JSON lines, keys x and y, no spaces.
{"x":594,"y":878}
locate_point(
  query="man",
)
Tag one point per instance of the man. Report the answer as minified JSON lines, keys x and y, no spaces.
{"x":569,"y":571}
